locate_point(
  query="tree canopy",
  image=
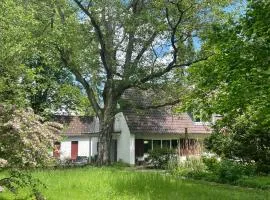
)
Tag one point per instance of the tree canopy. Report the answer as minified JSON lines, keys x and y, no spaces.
{"x":112,"y":46}
{"x":27,"y":77}
{"x":234,"y":83}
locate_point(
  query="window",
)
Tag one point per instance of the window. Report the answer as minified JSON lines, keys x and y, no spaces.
{"x":147,"y":145}
{"x":156,"y":144}
{"x":174,"y":144}
{"x":166,"y":144}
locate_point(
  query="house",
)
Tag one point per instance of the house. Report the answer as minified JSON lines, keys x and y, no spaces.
{"x":135,"y":134}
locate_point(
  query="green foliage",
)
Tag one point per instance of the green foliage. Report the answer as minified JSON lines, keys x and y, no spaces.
{"x":234,"y":83}
{"x":227,"y":171}
{"x":192,"y":167}
{"x":212,"y":169}
{"x":160,"y":157}
{"x":28,"y":76}
{"x":230,"y":171}
{"x":212,"y":163}
{"x":52,"y":88}
{"x":25,"y":142}
{"x":243,"y":138}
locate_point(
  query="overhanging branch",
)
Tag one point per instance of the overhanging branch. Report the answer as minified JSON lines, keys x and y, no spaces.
{"x":144,"y":48}
{"x":103,"y":51}
{"x":170,"y":103}
{"x":166,"y":70}
{"x":89,"y":90}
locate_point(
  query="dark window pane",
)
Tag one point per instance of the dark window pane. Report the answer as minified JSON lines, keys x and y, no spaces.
{"x":174,"y":144}
{"x":166,"y":144}
{"x":147,"y":145}
{"x":156,"y":144}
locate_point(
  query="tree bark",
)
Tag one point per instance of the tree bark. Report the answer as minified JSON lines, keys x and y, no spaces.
{"x":107,"y":124}
{"x":105,"y":139}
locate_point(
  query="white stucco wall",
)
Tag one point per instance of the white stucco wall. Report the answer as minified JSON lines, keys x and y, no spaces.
{"x":94,"y":141}
{"x":132,"y":149}
{"x":83,"y":146}
{"x":87,"y":146}
{"x":83,"y":149}
{"x":65,"y":149}
{"x":125,"y":142}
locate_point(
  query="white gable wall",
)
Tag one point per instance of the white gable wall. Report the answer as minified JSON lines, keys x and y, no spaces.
{"x":87,"y":146}
{"x":65,"y":150}
{"x":125,"y":141}
{"x":94,"y":141}
{"x":83,"y":146}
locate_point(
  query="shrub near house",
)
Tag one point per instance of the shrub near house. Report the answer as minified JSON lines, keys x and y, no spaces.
{"x":24,"y":142}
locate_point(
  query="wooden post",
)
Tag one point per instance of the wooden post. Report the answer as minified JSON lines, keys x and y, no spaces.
{"x":186,"y":142}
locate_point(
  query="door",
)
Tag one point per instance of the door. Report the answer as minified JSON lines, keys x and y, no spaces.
{"x":74,"y":150}
{"x":139,"y":147}
{"x":114,"y":151}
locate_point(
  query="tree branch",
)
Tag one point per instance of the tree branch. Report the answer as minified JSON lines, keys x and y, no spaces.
{"x":144,"y":107}
{"x":171,"y":103}
{"x":144,"y":48}
{"x":168,"y":69}
{"x":60,"y":12}
{"x":89,"y":91}
{"x":65,"y":57}
{"x":130,"y":47}
{"x":103,"y":51}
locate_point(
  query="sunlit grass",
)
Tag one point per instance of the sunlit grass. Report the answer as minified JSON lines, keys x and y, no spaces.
{"x":110,"y":183}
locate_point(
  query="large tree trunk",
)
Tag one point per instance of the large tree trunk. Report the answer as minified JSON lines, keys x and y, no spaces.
{"x":107,"y":124}
{"x":105,"y":140}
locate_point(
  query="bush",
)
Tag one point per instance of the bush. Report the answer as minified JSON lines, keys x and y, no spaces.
{"x":228,"y":171}
{"x":159,"y":158}
{"x":192,"y":167}
{"x":212,"y":163}
{"x":244,"y":137}
{"x":25,"y":141}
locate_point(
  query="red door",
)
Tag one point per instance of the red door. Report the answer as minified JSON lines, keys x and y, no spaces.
{"x":74,"y":150}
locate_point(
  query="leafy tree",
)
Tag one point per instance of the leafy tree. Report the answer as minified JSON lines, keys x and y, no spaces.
{"x":25,"y":141}
{"x":26,"y":78}
{"x":53,"y":89}
{"x":234,"y":83}
{"x":113,"y":46}
{"x":118,"y":45}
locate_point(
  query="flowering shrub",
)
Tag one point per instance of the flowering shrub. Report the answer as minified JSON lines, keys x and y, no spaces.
{"x":25,"y":141}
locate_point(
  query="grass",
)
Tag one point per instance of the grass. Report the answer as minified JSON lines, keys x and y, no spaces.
{"x":262,"y":182}
{"x":111,"y":183}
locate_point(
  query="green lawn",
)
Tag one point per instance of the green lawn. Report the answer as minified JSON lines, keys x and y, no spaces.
{"x":110,"y":183}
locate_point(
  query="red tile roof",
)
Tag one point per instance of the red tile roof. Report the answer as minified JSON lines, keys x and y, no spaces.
{"x":138,"y":122}
{"x":78,"y":125}
{"x":163,"y":123}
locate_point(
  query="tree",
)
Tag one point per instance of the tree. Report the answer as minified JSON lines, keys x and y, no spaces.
{"x":112,"y":46}
{"x":234,"y":83}
{"x":25,"y":141}
{"x":26,"y":78}
{"x":53,"y":89}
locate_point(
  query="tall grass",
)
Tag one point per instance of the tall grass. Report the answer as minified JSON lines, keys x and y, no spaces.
{"x":110,"y":183}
